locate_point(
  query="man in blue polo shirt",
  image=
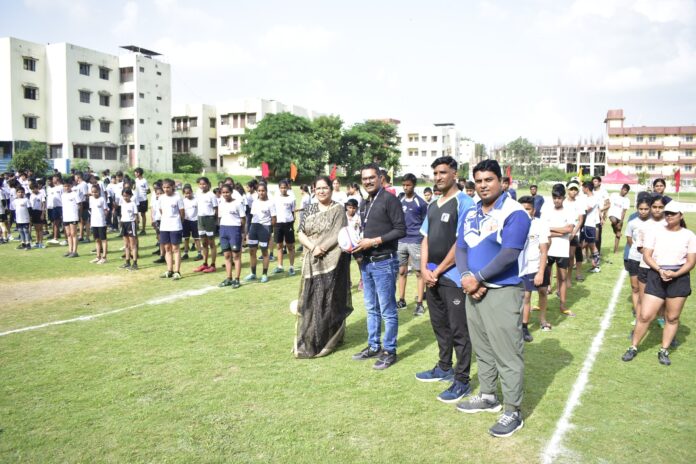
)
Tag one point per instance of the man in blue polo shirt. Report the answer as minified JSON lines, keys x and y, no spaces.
{"x":415,"y":209}
{"x":489,"y":243}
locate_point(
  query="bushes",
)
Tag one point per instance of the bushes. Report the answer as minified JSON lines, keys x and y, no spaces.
{"x":187,"y":163}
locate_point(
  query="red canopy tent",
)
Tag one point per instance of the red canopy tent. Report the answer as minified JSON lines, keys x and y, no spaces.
{"x":618,"y":177}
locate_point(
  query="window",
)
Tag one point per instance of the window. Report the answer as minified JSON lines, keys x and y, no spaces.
{"x":639,"y":153}
{"x":126,"y":100}
{"x":213,"y":143}
{"x":159,"y":123}
{"x":433,"y":153}
{"x":31,"y":93}
{"x":142,"y":147}
{"x":688,"y":153}
{"x":213,"y":163}
{"x":688,"y":167}
{"x":424,"y":138}
{"x":225,"y":119}
{"x":159,"y":148}
{"x":159,"y":98}
{"x":652,"y":153}
{"x":85,"y":124}
{"x":235,"y":120}
{"x":159,"y":73}
{"x":412,"y":152}
{"x":104,"y":73}
{"x":104,"y":100}
{"x":193,"y":122}
{"x":142,"y":121}
{"x":689,"y":138}
{"x":639,"y":138}
{"x":412,"y":137}
{"x":29,"y":64}
{"x":639,"y":167}
{"x":251,"y":118}
{"x":30,"y":122}
{"x":141,"y":95}
{"x":652,"y":138}
{"x":235,"y":143}
{"x":212,"y":123}
{"x":193,"y":143}
{"x":104,"y":126}
{"x":80,"y":151}
{"x":434,"y":138}
{"x":95,"y":153}
{"x":126,"y":126}
{"x":142,"y":69}
{"x":84,"y":68}
{"x":424,"y":153}
{"x":222,"y":161}
{"x":84,"y":96}
{"x":110,"y":153}
{"x":651,"y":167}
{"x":55,"y":151}
{"x":224,"y":141}
{"x":126,"y":74}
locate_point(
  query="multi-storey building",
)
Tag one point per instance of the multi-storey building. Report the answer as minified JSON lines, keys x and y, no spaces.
{"x":590,"y":157}
{"x":656,"y":150}
{"x":111,"y":111}
{"x":214,"y":132}
{"x":420,"y":146}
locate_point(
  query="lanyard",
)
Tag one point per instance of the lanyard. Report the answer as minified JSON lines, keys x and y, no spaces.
{"x":372,"y":203}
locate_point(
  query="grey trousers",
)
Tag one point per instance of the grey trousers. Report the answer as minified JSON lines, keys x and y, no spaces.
{"x":495,"y":328}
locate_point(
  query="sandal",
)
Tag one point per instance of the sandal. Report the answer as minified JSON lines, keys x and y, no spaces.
{"x":545,"y":326}
{"x":567,"y":312}
{"x":535,"y":308}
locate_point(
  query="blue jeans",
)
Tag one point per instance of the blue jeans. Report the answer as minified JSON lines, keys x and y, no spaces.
{"x":379,"y":289}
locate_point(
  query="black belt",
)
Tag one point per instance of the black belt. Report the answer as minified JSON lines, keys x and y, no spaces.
{"x":378,"y":258}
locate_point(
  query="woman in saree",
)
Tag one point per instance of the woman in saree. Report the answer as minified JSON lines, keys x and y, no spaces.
{"x":325,"y":299}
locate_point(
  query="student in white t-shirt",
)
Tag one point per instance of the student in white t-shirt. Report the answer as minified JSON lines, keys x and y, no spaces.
{"x":207,"y":223}
{"x":190,"y":224}
{"x":3,"y":213}
{"x":37,"y":203}
{"x":575,"y":203}
{"x":588,"y":234}
{"x":155,"y":218}
{"x":82,"y":189}
{"x":172,"y":211}
{"x":618,"y":205}
{"x":129,"y":229}
{"x":22,"y":219}
{"x":70,"y":200}
{"x":534,"y":271}
{"x":232,"y":214}
{"x":632,"y":263}
{"x":98,"y":209}
{"x":142,"y":190}
{"x":561,"y":223}
{"x":263,"y":218}
{"x":337,"y":195}
{"x":56,"y":205}
{"x":670,"y":253}
{"x":283,"y":230}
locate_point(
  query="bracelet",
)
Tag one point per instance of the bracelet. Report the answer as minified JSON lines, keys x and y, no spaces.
{"x":467,"y":273}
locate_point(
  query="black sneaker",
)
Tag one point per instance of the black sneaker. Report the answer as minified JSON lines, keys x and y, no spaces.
{"x":526,"y":335}
{"x":367,"y":353}
{"x":134,"y":267}
{"x":663,"y":357}
{"x":160,"y":260}
{"x":508,"y":423}
{"x":420,"y":310}
{"x":235,"y":283}
{"x":156,"y":252}
{"x":401,"y":304}
{"x":629,"y":354}
{"x":184,"y":257}
{"x":384,"y":360}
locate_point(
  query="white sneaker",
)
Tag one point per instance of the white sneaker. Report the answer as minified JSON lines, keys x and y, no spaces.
{"x":63,"y":243}
{"x":95,"y":261}
{"x":122,"y":248}
{"x":53,"y":241}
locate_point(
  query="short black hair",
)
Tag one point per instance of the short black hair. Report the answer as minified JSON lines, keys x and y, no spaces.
{"x":558,"y":190}
{"x":352,"y":202}
{"x":597,"y":178}
{"x":373,"y":166}
{"x":427,"y":189}
{"x":533,"y":186}
{"x":410,"y":178}
{"x":448,"y":160}
{"x":469,"y":185}
{"x":526,"y":200}
{"x":489,"y":165}
{"x":626,"y":187}
{"x":138,"y":170}
{"x":659,"y":180}
{"x":588,"y":185}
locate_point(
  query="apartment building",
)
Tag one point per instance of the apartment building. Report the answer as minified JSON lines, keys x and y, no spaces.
{"x":656,"y":150}
{"x":214,"y":132}
{"x":420,"y":146}
{"x":111,"y":111}
{"x":590,"y":157}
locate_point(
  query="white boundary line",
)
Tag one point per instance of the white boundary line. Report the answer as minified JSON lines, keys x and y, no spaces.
{"x":89,"y":317}
{"x":553,"y":448}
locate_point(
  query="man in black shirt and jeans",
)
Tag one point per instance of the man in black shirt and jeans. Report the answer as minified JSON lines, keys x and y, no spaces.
{"x":383,"y":225}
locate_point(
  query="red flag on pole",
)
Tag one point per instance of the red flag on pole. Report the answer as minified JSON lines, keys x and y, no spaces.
{"x":508,"y":173}
{"x":264,"y":170}
{"x":677,"y":179}
{"x":332,"y":176}
{"x":293,"y":171}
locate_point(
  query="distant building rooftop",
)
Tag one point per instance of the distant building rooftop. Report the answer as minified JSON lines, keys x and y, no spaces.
{"x":136,"y":49}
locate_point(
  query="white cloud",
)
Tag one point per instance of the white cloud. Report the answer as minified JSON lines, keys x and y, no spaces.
{"x":297,"y":39}
{"x":128,"y":21}
{"x":667,"y":11}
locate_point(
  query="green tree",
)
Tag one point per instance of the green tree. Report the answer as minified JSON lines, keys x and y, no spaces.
{"x":80,"y":165}
{"x":368,"y":142}
{"x":643,"y":177}
{"x":524,"y":157}
{"x":187,"y":163}
{"x":327,"y":141}
{"x":31,"y":157}
{"x":279,"y":140}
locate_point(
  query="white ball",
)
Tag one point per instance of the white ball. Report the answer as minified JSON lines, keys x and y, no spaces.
{"x":348,"y":238}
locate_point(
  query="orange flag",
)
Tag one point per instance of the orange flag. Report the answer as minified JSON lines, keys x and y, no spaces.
{"x":293,"y":172}
{"x":332,"y":176}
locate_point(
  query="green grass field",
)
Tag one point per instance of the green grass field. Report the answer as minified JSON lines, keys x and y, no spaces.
{"x":210,"y":378}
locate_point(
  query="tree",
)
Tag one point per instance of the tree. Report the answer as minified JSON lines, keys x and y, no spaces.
{"x":327,"y":140}
{"x":368,"y":142}
{"x":80,"y":165}
{"x":32,"y":157}
{"x":281,"y":139}
{"x":524,"y":156}
{"x":187,"y":163}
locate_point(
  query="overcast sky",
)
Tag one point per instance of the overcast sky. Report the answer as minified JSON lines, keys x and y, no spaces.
{"x":542,"y":69}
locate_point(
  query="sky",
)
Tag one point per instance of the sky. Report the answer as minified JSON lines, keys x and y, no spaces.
{"x":546,"y":70}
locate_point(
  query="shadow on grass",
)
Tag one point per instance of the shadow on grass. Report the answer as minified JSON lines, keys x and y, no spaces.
{"x":653,"y":340}
{"x":543,"y":360}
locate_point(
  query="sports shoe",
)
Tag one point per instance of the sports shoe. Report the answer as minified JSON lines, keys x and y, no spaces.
{"x":21,"y":247}
{"x":199,"y":257}
{"x":201,"y":268}
{"x":125,"y":266}
{"x":63,"y":243}
{"x":526,"y":335}
{"x":102,"y":261}
{"x":661,"y":322}
{"x":545,"y":327}
{"x":176,"y":276}
{"x":122,"y":248}
{"x":436,"y":374}
{"x":134,"y":267}
{"x":209,"y":269}
{"x":73,"y":255}
{"x":291,"y":271}
{"x":367,"y":353}
{"x":95,"y":261}
{"x":272,"y":258}
{"x":225,"y":283}
{"x":250,"y":277}
{"x":455,"y":392}
{"x":479,"y":404}
{"x":156,"y":252}
{"x":420,"y":310}
{"x":235,"y":283}
{"x":142,"y":232}
{"x":166,"y":274}
{"x":629,"y":354}
{"x":508,"y":423}
{"x":278,"y":270}
{"x":184,"y":257}
{"x":384,"y":361}
{"x":160,"y":260}
{"x":264,"y":279}
{"x":65,"y":255}
{"x":663,"y":357}
{"x":53,"y":241}
{"x":595,"y":270}
{"x":401,"y":304}
{"x":633,"y":322}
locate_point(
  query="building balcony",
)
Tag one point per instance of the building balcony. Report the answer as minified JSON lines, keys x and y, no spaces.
{"x":687,"y":146}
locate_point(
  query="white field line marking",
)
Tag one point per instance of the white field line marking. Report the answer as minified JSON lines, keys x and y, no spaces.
{"x":89,"y":317}
{"x":553,"y":449}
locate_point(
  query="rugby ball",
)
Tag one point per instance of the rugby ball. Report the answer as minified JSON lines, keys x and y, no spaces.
{"x":293,"y":307}
{"x":348,"y":239}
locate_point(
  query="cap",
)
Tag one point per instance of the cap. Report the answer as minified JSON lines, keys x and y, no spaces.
{"x":674,"y":207}
{"x":574,"y":185}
